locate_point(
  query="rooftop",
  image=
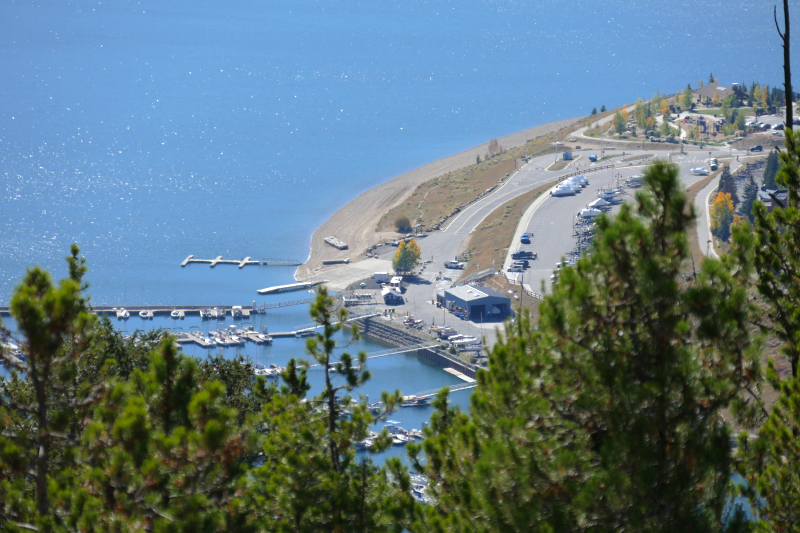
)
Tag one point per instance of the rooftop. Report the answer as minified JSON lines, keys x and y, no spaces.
{"x":469,"y":293}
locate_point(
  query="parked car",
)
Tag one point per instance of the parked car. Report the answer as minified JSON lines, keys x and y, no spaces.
{"x":525,"y":239}
{"x":757,"y":148}
{"x":778,"y":127}
{"x":515,"y":269}
{"x":522,"y":254}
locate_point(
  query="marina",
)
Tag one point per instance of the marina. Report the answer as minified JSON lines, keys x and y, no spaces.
{"x":230,"y":337}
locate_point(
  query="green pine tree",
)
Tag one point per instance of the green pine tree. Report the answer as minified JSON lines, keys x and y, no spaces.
{"x":771,"y":462}
{"x":687,"y":97}
{"x":44,"y":397}
{"x":607,"y":416}
{"x":772,"y":242}
{"x":750,"y":197}
{"x":728,"y":185}
{"x":771,"y":169}
{"x":311,"y":479}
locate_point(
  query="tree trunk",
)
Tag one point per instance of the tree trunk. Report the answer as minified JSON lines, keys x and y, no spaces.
{"x":787,"y":68}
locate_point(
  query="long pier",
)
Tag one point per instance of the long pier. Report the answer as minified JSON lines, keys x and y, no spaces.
{"x":398,"y":350}
{"x":241,"y":262}
{"x":291,"y":287}
{"x":455,"y":388}
{"x":247,"y":310}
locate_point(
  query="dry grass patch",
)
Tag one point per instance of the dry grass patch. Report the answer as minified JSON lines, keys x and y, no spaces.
{"x":432,"y":201}
{"x":518,"y":299}
{"x":561,"y":164}
{"x":435,"y":201}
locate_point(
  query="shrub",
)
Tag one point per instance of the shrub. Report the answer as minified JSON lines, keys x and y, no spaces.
{"x":403,"y":224}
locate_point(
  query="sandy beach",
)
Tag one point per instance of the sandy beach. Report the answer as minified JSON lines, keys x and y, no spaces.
{"x":355,"y":222}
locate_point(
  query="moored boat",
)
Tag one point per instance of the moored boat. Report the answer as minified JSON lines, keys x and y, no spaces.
{"x":415,"y":401}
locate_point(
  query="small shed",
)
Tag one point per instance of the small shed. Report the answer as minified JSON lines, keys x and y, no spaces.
{"x":479,"y":303}
{"x":392,"y":296}
{"x":567,"y":156}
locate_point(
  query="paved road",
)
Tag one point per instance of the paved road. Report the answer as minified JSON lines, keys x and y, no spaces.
{"x":550,"y":220}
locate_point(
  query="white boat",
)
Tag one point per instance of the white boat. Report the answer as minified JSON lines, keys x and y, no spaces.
{"x":175,"y":313}
{"x":590,"y":212}
{"x":607,"y":193}
{"x":562,"y":191}
{"x":414,"y":401}
{"x":273,"y":371}
{"x":401,"y":439}
{"x":365,"y":444}
{"x":145,"y":314}
{"x":265,"y":338}
{"x":578,"y":180}
{"x":123,"y":313}
{"x":569,"y":185}
{"x":599,"y":203}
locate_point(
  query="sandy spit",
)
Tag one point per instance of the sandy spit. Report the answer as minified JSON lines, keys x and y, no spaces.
{"x":355,"y":222}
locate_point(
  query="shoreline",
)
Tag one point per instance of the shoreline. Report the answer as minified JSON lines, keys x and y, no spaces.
{"x":355,"y":222}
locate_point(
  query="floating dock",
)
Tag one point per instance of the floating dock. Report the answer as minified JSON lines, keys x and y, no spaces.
{"x":336,"y":243}
{"x":291,"y":287}
{"x":459,"y":375}
{"x":241,"y":262}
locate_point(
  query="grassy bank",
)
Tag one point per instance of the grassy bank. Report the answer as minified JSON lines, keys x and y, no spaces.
{"x":435,"y":201}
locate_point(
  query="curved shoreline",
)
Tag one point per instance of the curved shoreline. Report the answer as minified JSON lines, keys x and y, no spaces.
{"x":355,"y":222}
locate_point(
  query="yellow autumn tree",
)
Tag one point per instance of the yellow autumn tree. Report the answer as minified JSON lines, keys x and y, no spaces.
{"x":716,"y":98}
{"x":625,"y":112}
{"x":406,"y":257}
{"x":764,"y":96}
{"x":722,"y":215}
{"x":665,"y":109}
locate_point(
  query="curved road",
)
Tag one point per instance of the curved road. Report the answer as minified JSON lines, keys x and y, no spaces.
{"x":549,"y":219}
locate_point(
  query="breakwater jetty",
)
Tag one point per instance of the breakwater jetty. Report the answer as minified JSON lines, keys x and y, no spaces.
{"x":384,"y":331}
{"x":241,"y":262}
{"x":291,"y":287}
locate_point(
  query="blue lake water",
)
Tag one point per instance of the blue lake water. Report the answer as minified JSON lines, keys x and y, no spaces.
{"x":149,"y":130}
